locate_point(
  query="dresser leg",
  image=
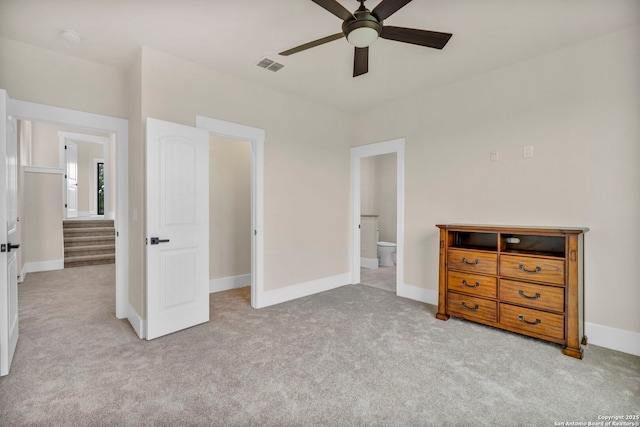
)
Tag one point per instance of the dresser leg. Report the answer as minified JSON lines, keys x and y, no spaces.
{"x":442,"y":316}
{"x":573,"y":352}
{"x":584,"y":340}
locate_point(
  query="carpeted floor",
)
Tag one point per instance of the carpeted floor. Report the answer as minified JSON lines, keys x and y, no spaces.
{"x":352,"y":356}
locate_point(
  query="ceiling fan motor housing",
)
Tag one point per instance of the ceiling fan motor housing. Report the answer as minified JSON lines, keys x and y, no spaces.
{"x":364,"y":19}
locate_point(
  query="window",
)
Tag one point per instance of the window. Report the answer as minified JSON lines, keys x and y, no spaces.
{"x":100,"y":187}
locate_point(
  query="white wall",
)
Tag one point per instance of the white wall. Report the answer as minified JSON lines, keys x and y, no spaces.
{"x":306,"y":167}
{"x":229,"y":207}
{"x":386,"y":188}
{"x":579,"y":107}
{"x":30,"y":73}
{"x":378,"y":192}
{"x":41,"y":239}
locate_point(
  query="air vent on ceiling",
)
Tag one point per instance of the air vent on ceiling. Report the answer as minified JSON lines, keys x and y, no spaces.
{"x":269,"y":64}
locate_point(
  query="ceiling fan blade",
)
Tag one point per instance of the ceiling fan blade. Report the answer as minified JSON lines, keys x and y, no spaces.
{"x":312,"y":44}
{"x":361,"y":61}
{"x":420,"y":37}
{"x":386,"y":8}
{"x":334,"y":7}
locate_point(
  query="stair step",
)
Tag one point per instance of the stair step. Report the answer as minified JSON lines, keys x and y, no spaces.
{"x":78,"y":261}
{"x":70,"y":223}
{"x":88,"y":242}
{"x":90,"y":231}
{"x":89,"y":250}
{"x":70,"y":242}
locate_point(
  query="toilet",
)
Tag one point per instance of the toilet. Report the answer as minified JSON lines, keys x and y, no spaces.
{"x":386,"y":254}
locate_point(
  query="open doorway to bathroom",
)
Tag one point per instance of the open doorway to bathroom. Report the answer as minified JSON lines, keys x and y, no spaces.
{"x":378,"y":221}
{"x":377,"y":208}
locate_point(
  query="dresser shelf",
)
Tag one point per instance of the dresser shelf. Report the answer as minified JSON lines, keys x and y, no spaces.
{"x":527,"y":280}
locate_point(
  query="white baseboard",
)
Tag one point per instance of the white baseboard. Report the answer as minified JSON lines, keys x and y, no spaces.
{"x":612,"y":338}
{"x":371,"y":263}
{"x":138,"y":325}
{"x":34,"y":267}
{"x":231,"y":282}
{"x":428,"y":296}
{"x":300,"y":290}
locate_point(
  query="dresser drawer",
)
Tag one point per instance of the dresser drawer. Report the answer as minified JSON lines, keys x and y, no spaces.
{"x":533,"y":321}
{"x":534,"y":269}
{"x":475,"y":261}
{"x":474,"y":284}
{"x":472,"y":308}
{"x":537,"y":296}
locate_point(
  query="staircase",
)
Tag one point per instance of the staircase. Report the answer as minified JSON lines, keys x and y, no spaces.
{"x":89,"y":242}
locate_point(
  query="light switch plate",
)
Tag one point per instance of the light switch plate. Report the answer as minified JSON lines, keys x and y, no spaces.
{"x":527,"y":151}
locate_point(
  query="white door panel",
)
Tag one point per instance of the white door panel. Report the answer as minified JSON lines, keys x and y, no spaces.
{"x":8,"y":238}
{"x":71,"y":155}
{"x":177,"y":227}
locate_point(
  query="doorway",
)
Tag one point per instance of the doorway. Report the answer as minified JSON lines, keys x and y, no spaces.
{"x":358,"y":154}
{"x":86,"y":158}
{"x":119,"y":133}
{"x":255,"y":137}
{"x":378,"y":222}
{"x":229,"y":213}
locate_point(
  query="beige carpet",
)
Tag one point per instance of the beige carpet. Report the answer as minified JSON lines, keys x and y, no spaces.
{"x":353,"y":356}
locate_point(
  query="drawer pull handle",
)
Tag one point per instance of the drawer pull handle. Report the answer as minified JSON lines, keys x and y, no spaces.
{"x":464,"y":260}
{"x":521,"y":317}
{"x":466,"y":307}
{"x":521,"y":292}
{"x":537,"y":270}
{"x":464,"y":282}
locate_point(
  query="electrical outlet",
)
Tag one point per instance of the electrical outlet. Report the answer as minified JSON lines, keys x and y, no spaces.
{"x":527,"y":151}
{"x":493,"y":155}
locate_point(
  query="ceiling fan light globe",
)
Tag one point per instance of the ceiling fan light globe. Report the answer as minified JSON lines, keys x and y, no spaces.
{"x":362,"y":37}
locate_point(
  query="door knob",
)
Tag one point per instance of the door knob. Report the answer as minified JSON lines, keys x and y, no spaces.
{"x":157,"y":240}
{"x":11,"y":246}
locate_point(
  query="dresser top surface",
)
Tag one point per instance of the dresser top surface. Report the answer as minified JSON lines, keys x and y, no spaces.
{"x":513,"y":228}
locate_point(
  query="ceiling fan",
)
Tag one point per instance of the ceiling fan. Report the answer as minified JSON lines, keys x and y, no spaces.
{"x":363,"y":27}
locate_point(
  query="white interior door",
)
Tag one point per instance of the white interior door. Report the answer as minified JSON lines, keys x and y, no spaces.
{"x":9,"y":245}
{"x":177,"y":214}
{"x":71,"y":155}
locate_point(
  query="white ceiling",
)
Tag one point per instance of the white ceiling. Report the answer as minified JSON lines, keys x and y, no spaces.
{"x":232,"y":35}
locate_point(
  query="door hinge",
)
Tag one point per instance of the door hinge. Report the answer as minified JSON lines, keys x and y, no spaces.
{"x":65,"y":176}
{"x":65,"y":205}
{"x":65,"y":147}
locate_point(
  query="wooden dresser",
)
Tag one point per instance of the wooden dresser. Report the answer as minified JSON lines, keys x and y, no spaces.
{"x":527,"y":280}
